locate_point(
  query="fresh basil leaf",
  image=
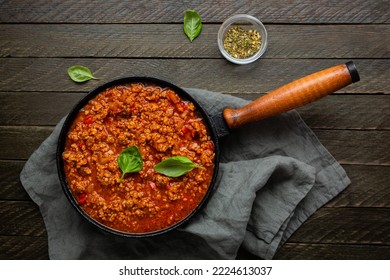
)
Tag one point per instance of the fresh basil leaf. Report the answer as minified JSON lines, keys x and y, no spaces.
{"x":130,"y":160}
{"x":175,"y":166}
{"x":192,"y":24}
{"x":80,"y":74}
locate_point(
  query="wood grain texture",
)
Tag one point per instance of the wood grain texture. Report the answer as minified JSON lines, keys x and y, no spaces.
{"x":349,"y":112}
{"x":21,"y":218}
{"x":369,"y":187}
{"x":23,"y":248}
{"x":11,"y":187}
{"x":49,"y":74}
{"x":301,"y":251}
{"x":345,"y":225}
{"x":285,"y":11}
{"x":36,"y":108}
{"x":26,"y":138}
{"x":356,"y":147}
{"x":36,"y":248}
{"x":349,"y":147}
{"x":169,"y":41}
{"x":366,"y":112}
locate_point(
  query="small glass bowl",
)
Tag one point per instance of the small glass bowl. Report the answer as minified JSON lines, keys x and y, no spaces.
{"x":246,"y":22}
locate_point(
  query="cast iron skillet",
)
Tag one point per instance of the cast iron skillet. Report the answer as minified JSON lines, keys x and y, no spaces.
{"x":285,"y":98}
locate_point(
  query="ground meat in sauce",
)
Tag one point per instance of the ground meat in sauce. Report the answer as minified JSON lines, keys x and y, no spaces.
{"x":161,"y":125}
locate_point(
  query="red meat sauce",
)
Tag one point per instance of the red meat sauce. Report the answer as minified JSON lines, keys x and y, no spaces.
{"x":162,"y":125}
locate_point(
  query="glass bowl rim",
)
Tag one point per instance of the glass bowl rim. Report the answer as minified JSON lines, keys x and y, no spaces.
{"x":242,"y":18}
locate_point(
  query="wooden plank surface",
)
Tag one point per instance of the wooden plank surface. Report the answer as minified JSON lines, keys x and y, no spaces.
{"x":369,"y":188}
{"x":30,"y":108}
{"x":21,"y":218}
{"x":23,"y":248}
{"x":26,"y":138}
{"x":276,"y":11}
{"x":39,"y":40}
{"x":347,"y":146}
{"x":169,"y":41}
{"x":345,"y":225}
{"x":302,"y":251}
{"x":333,"y":112}
{"x":350,"y":147}
{"x":49,"y":74}
{"x":11,"y":188}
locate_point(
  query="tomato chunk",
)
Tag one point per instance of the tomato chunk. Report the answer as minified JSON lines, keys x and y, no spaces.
{"x":88,"y":120}
{"x":82,"y":198}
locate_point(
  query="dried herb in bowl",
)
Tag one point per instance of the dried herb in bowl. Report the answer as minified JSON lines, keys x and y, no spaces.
{"x":241,"y":43}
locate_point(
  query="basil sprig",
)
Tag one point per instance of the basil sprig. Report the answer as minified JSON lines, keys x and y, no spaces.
{"x":80,"y":74}
{"x":192,"y":24}
{"x":175,"y":166}
{"x":130,"y":160}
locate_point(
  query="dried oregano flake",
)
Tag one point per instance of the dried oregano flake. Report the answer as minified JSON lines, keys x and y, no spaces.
{"x":241,"y":43}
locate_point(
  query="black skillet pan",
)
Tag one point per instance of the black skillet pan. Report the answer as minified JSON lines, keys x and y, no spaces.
{"x":290,"y":96}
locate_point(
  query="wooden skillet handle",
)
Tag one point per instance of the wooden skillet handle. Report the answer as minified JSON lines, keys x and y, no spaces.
{"x":293,"y":95}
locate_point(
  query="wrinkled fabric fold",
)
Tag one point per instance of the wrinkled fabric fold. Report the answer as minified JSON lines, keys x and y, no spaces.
{"x":264,"y":185}
{"x":273,"y":175}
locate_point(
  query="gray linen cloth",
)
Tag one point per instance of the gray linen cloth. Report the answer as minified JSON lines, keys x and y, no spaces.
{"x":273,"y":175}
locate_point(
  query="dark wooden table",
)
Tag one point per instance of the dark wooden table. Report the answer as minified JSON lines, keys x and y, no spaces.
{"x":39,"y":40}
